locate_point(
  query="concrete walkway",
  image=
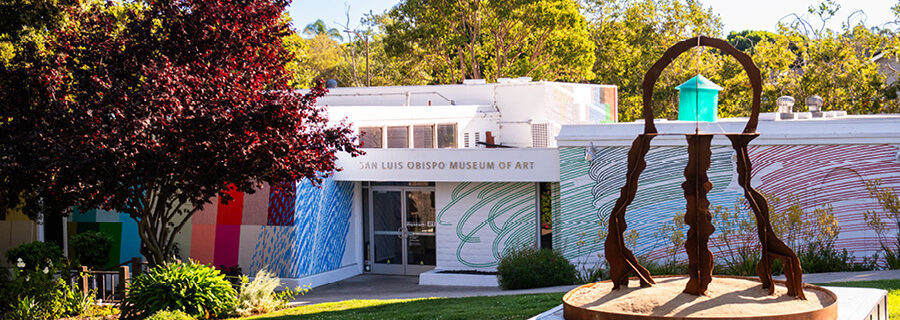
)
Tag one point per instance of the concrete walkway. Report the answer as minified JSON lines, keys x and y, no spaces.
{"x":371,"y":286}
{"x":848,"y":276}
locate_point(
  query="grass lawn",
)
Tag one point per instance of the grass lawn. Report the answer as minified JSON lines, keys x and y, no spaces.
{"x":499,"y":307}
{"x":892,"y":286}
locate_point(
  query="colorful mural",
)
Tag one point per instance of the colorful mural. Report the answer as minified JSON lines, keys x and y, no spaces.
{"x":307,"y":235}
{"x":290,"y":236}
{"x":15,"y":229}
{"x":819,"y":175}
{"x":477,"y":221}
{"x":118,"y":226}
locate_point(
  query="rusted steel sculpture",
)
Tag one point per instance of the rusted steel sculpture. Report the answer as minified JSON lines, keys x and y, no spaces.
{"x":622,"y":261}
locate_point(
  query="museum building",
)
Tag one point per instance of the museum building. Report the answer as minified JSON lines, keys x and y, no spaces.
{"x":455,"y":175}
{"x":450,"y":179}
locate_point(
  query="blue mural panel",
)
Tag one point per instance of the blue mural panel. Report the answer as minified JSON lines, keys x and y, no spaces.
{"x":316,"y":239}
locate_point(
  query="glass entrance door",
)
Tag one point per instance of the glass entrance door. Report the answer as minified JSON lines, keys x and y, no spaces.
{"x":419,"y":226}
{"x":388,"y":231}
{"x":403,"y":231}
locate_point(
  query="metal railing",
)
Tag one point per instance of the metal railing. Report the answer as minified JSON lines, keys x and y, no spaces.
{"x":107,"y":286}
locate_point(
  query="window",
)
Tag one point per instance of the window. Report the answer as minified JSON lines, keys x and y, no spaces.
{"x":423,"y":136}
{"x":545,"y":213}
{"x":446,"y":134}
{"x":466,"y":140}
{"x":371,"y":137}
{"x":398,"y":137}
{"x":366,"y":249}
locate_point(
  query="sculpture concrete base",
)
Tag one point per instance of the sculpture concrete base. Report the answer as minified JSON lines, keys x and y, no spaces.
{"x":727,"y":297}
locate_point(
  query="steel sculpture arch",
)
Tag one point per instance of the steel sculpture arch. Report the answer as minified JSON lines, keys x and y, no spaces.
{"x":622,"y":261}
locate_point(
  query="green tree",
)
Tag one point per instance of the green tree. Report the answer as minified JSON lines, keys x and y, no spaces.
{"x":804,"y":59}
{"x":801,"y":59}
{"x":319,"y":27}
{"x":747,"y":39}
{"x":25,"y":24}
{"x":489,"y":39}
{"x":632,"y":35}
{"x":22,"y":18}
{"x":319,"y":57}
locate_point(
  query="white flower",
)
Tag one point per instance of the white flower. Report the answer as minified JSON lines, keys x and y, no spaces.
{"x":20,"y":263}
{"x":27,"y":278}
{"x":46,"y":270}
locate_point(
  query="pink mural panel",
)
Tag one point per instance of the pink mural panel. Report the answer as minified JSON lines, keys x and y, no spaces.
{"x":203,"y":238}
{"x":207,"y":215}
{"x":830,"y":175}
{"x":256,"y":207}
{"x":228,"y":238}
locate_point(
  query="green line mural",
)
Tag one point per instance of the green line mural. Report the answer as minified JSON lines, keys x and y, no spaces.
{"x":488,"y":217}
{"x":576,"y":225}
{"x":590,"y":189}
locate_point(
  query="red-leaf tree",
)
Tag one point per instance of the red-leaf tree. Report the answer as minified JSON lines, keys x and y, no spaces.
{"x":153,"y":109}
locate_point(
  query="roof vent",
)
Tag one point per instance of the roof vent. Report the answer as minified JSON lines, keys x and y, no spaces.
{"x":785,"y":106}
{"x":814,"y":103}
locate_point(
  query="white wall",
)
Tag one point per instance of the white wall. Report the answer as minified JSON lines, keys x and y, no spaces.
{"x":476,"y":222}
{"x":507,"y":110}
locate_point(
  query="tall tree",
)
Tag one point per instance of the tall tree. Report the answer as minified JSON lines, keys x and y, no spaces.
{"x":20,"y":18}
{"x":747,"y":39}
{"x":632,"y":35}
{"x":475,"y":39}
{"x":156,"y":116}
{"x":319,"y":27}
{"x":806,"y":58}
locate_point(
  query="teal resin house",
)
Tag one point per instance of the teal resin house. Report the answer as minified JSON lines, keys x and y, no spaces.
{"x":696,"y":96}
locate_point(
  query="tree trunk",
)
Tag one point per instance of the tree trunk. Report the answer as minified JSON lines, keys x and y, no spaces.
{"x":153,"y":220}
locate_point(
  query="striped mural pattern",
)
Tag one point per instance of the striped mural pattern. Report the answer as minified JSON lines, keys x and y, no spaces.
{"x":576,"y":225}
{"x":509,"y":222}
{"x":316,"y":240}
{"x":819,"y":175}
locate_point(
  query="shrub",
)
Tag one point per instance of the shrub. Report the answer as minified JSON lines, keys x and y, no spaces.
{"x":818,"y":257}
{"x":26,"y":308}
{"x":233,"y":274}
{"x":199,"y":290}
{"x":259,"y":296}
{"x":666,"y":267}
{"x":37,"y":294}
{"x":533,"y":268}
{"x":170,"y":315}
{"x":589,"y":274}
{"x":37,"y":255}
{"x":91,"y":248}
{"x":890,"y":204}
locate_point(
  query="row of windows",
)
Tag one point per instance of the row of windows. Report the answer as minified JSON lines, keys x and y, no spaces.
{"x":423,"y":136}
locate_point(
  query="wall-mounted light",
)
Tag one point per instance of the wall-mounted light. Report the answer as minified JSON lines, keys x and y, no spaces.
{"x":589,"y":153}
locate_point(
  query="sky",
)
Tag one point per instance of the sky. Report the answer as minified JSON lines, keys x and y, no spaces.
{"x":736,"y":15}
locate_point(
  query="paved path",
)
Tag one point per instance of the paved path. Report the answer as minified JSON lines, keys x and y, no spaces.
{"x":371,"y":286}
{"x":848,"y":276}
